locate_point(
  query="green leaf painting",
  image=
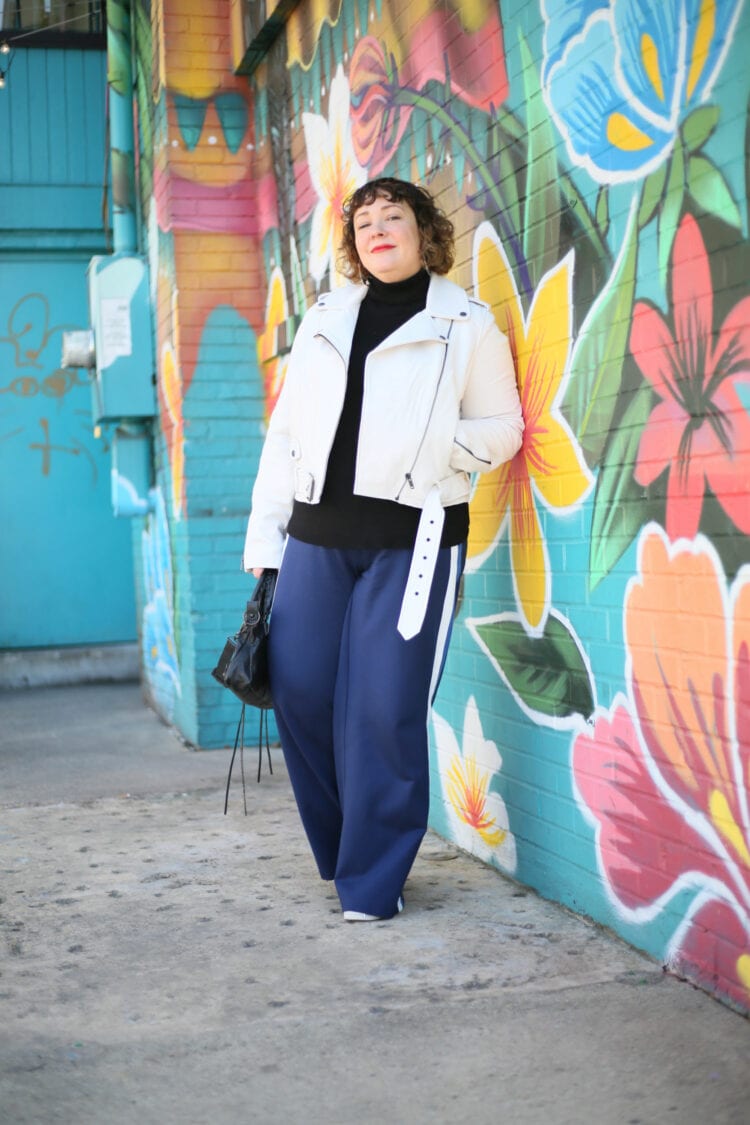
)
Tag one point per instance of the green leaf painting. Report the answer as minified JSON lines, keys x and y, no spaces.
{"x":548,"y":675}
{"x":620,"y":507}
{"x":669,"y":215}
{"x":596,"y":363}
{"x":699,"y":125}
{"x":711,"y":192}
{"x":652,"y":195}
{"x":541,"y":235}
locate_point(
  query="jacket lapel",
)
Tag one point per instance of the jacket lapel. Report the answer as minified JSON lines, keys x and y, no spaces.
{"x":340,"y":307}
{"x":338,"y":311}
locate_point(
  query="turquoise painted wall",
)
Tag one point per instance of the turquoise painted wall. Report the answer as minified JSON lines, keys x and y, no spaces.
{"x":590,"y":737}
{"x":66,"y":564}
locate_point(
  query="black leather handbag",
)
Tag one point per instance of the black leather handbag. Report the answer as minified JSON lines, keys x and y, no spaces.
{"x":243,"y":668}
{"x":243,"y":664}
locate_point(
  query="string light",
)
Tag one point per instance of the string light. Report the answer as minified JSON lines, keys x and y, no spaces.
{"x":97,"y":11}
{"x":5,"y":53}
{"x":6,"y":47}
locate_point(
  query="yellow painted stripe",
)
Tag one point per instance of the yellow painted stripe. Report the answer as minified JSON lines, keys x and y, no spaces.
{"x":650,"y":57}
{"x":623,"y":134}
{"x":721,"y":814}
{"x":743,"y":970}
{"x":701,"y":44}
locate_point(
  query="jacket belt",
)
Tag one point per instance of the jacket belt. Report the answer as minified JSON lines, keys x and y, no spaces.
{"x":422,"y":569}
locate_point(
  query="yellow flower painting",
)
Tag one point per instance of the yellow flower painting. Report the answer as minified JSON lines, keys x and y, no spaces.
{"x":549,"y":468}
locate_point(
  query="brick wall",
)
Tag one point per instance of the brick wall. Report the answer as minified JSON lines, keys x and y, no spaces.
{"x":590,"y":735}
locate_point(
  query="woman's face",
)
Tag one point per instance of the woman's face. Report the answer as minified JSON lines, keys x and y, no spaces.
{"x":386,"y":236}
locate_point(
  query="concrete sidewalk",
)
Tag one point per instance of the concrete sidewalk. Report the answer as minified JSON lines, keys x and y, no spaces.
{"x":163,"y":963}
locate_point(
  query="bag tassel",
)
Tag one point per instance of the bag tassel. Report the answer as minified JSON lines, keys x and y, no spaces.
{"x":239,"y":740}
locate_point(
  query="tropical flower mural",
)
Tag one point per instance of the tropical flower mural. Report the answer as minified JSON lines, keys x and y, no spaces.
{"x":699,"y":429}
{"x":158,"y":621}
{"x":598,"y":188}
{"x":619,"y":78}
{"x":664,"y":775}
{"x":335,"y":174}
{"x":635,"y":406}
{"x":549,"y":467}
{"x":385,"y":92}
{"x":272,"y":365}
{"x":477,"y":816}
{"x":170,"y":388}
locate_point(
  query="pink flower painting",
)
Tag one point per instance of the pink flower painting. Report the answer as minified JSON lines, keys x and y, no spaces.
{"x":699,"y":428}
{"x":663,"y":776}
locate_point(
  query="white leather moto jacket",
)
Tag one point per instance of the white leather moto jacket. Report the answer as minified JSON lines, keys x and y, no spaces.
{"x":440,"y":402}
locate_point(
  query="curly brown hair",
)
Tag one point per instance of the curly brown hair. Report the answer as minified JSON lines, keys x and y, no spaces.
{"x":435,"y":228}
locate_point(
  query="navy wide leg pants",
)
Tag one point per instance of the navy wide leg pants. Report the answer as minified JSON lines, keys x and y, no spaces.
{"x":352,"y":699}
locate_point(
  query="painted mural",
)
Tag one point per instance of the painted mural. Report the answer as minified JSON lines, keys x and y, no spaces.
{"x":195,"y":147}
{"x":592,"y":736}
{"x":597,"y":218}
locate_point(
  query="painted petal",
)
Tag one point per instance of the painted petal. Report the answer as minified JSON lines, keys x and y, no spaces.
{"x":654,"y":350}
{"x":446,"y":742}
{"x":710,"y":33}
{"x":660,"y":441}
{"x":528,"y":554}
{"x":648,"y":46}
{"x":685,"y":490}
{"x":675,"y":632}
{"x":604,"y":130}
{"x":503,"y":853}
{"x":377,"y":124}
{"x":643,"y":843}
{"x":562,"y":20}
{"x":467,"y":788}
{"x":471,"y":57}
{"x":474,"y":743}
{"x":338,"y":104}
{"x":447,"y":750}
{"x":544,"y":357}
{"x":693,"y":301}
{"x":556,"y":464}
{"x":712,"y":948}
{"x":494,"y":283}
{"x":276,"y":314}
{"x":317,"y":142}
{"x":733,"y":344}
{"x":488,"y":508}
{"x":321,"y":231}
{"x":741,"y":651}
{"x":728,"y":470}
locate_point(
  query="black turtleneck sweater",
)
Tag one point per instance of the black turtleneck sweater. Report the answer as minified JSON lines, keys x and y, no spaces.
{"x":342,"y":519}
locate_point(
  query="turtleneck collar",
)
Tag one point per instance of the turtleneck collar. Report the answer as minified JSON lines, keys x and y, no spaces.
{"x":410,"y":289}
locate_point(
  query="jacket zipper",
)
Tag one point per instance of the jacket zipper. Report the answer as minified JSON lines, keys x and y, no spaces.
{"x":331,"y":344}
{"x":472,"y":453}
{"x":408,"y":475}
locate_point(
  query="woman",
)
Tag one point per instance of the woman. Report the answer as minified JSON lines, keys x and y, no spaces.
{"x":398,"y":387}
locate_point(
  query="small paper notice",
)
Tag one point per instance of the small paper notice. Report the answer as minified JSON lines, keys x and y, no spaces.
{"x":116,"y":337}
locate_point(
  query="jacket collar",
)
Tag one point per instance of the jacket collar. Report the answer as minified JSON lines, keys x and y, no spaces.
{"x":444,"y":299}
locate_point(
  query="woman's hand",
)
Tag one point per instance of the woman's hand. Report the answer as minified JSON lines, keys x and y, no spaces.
{"x":257,"y":571}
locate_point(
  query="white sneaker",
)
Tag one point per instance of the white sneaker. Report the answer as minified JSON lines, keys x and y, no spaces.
{"x":357,"y":916}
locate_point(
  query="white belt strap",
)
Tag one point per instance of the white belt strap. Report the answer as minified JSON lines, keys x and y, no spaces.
{"x":422,"y":569}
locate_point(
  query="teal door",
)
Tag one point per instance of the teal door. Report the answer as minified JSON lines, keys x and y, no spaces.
{"x":66,"y":568}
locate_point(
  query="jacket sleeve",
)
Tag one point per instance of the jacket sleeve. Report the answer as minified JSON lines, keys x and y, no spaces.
{"x":490,"y":430}
{"x":273,"y":491}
